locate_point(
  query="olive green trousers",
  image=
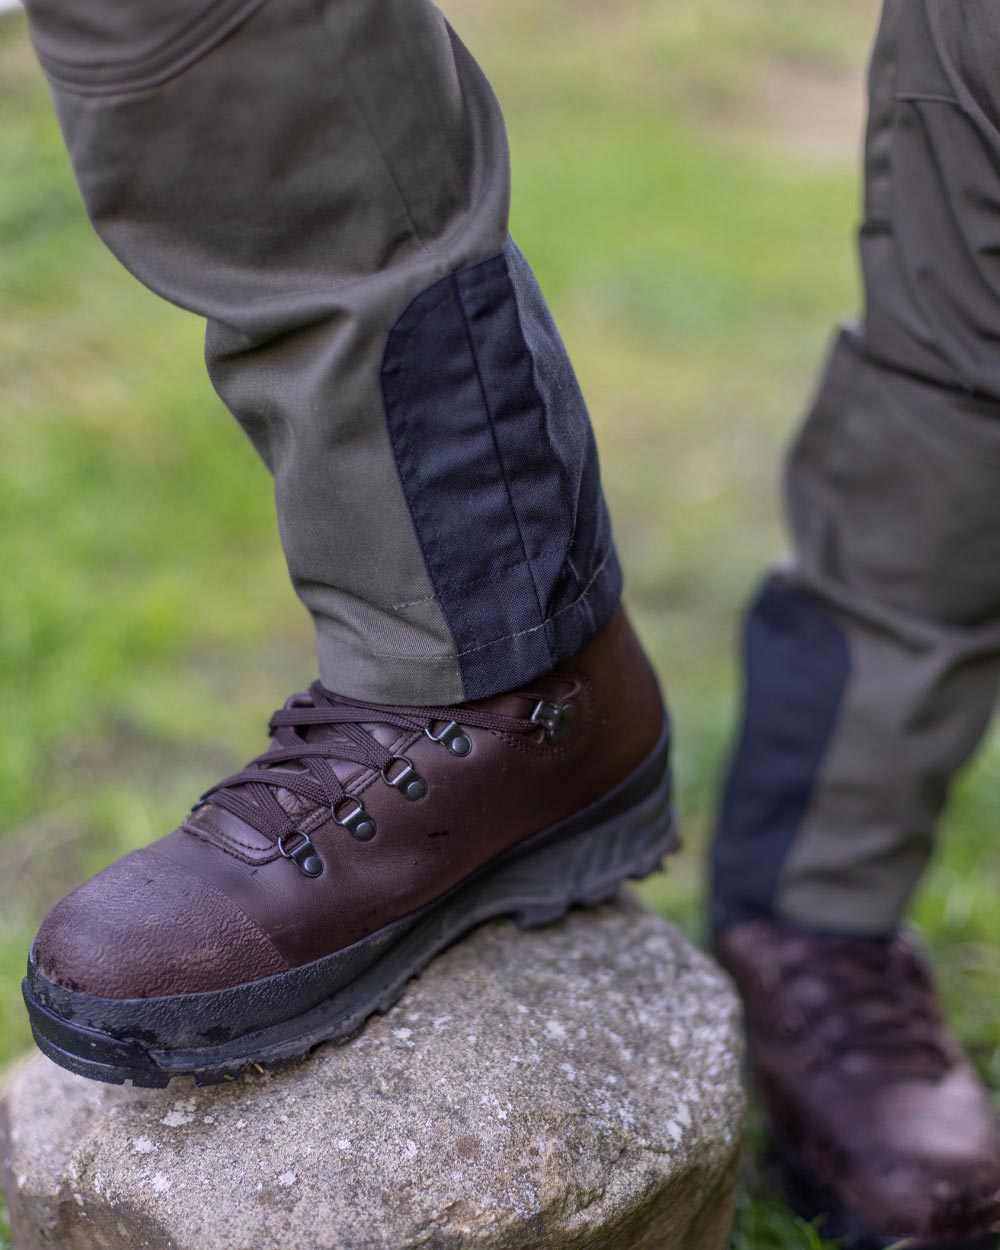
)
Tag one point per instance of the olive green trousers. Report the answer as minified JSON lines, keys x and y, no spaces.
{"x":326,"y":182}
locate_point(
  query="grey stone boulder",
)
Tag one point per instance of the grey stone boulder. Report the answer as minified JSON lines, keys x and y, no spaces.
{"x":577,"y":1087}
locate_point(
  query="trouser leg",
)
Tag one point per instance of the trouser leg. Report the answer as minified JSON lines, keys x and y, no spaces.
{"x":326,"y":181}
{"x":872,"y":660}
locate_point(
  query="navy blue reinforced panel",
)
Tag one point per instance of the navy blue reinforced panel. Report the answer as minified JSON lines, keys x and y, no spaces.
{"x":497,"y":460}
{"x":797,"y":664}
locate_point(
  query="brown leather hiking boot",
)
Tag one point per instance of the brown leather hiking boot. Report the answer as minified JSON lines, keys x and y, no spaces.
{"x":301,"y":894}
{"x":879,"y":1122}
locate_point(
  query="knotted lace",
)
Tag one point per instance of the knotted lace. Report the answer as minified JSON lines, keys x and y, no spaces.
{"x":875,"y":1005}
{"x":302,"y":764}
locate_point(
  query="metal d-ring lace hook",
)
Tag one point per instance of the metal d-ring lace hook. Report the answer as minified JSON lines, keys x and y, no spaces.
{"x":406,"y":779}
{"x":452,"y":736}
{"x":356,"y":822}
{"x":555,"y":718}
{"x":304,"y":855}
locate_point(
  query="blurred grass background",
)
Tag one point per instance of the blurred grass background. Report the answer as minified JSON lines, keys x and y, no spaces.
{"x":685,"y":184}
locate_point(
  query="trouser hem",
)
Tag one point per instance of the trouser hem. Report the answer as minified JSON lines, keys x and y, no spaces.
{"x":350,"y":666}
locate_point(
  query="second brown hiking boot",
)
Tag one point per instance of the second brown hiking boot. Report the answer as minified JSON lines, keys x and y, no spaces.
{"x":302,"y":893}
{"x":879,"y":1123}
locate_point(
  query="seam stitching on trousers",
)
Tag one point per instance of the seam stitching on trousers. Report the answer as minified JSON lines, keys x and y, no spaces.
{"x":496,"y":442}
{"x":572,"y":506}
{"x":404,"y":349}
{"x":521,"y":633}
{"x":406,"y":459}
{"x":449,"y":285}
{"x":367,"y":124}
{"x":445,"y":282}
{"x":451,"y":588}
{"x":454,"y":586}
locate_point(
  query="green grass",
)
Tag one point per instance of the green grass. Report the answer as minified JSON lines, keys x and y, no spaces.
{"x":689,"y":212}
{"x":764,"y":1224}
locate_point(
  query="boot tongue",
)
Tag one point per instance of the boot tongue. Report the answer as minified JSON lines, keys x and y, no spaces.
{"x":210,"y":818}
{"x":887,"y":1013}
{"x":346,"y":771}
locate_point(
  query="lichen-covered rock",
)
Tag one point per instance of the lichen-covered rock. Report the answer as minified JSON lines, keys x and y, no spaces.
{"x":574,"y":1087}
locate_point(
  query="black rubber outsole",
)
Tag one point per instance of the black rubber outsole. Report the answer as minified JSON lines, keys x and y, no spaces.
{"x":810,"y":1199}
{"x":279,"y":1020}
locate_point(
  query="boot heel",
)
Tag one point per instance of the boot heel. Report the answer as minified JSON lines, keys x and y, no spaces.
{"x":586,"y":866}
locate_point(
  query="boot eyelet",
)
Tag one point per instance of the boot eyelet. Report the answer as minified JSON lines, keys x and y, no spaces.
{"x":304,"y":856}
{"x":452,"y":736}
{"x":357,"y":822}
{"x":406,"y":779}
{"x":554,"y":718}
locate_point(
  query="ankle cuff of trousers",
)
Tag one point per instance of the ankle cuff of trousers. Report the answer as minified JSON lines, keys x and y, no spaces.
{"x":353,"y":663}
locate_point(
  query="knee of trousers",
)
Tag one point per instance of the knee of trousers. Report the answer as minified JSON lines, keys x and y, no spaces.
{"x":872,"y":661}
{"x":930,"y":243}
{"x":893,"y":491}
{"x":106,"y":45}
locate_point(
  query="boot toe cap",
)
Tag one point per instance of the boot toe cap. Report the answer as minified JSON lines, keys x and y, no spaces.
{"x":144,"y":928}
{"x":927,"y":1202}
{"x":930,"y":1168}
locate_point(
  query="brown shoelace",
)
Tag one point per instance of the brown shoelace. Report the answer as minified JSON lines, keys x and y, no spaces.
{"x":876,"y":1007}
{"x":302,"y":764}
